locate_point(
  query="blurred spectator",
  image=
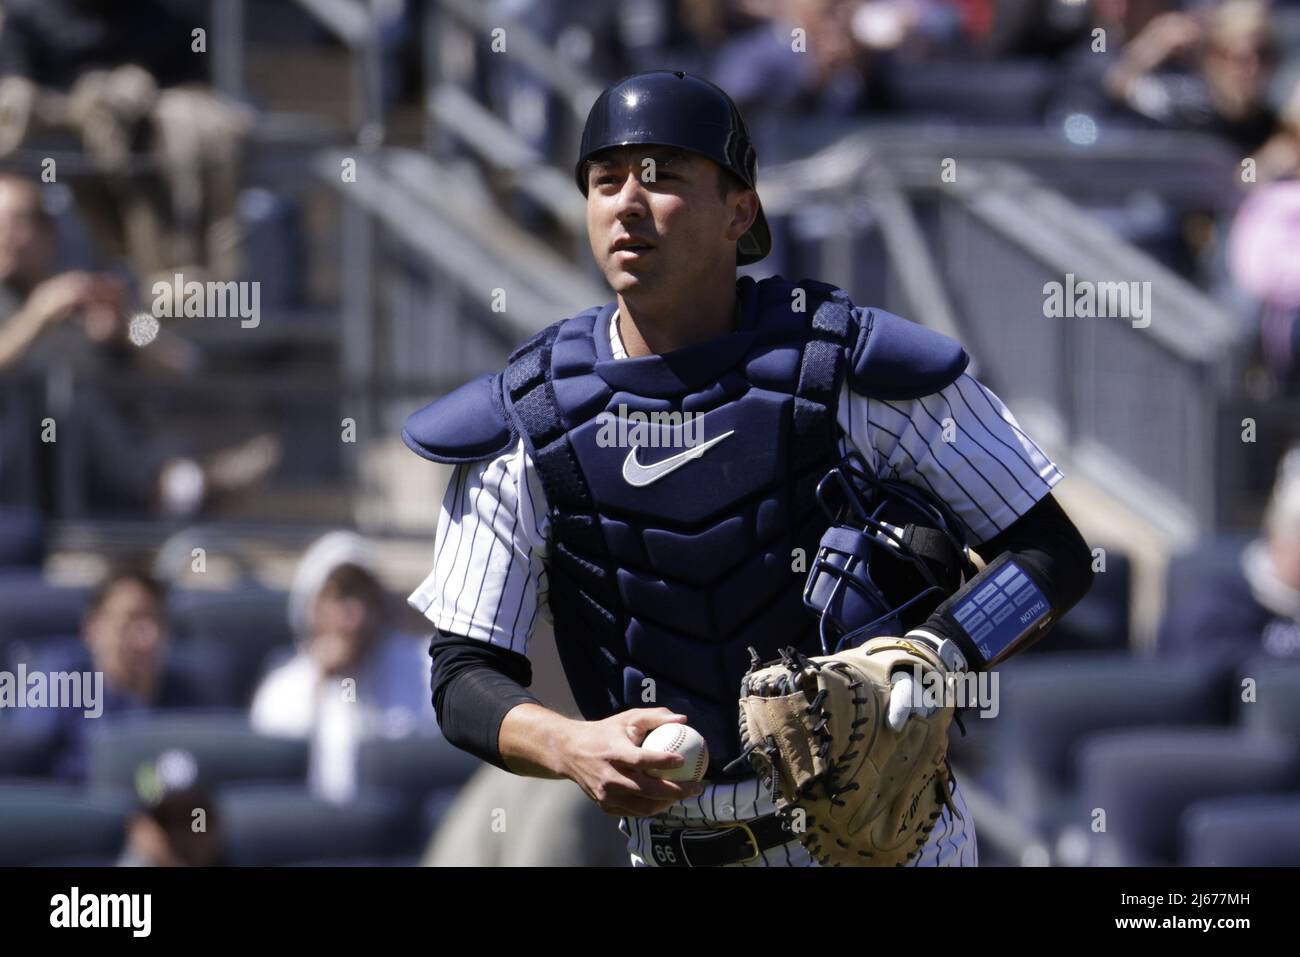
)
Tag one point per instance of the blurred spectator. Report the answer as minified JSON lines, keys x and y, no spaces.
{"x":1254,"y":604}
{"x":32,"y":300}
{"x":1208,"y":72}
{"x":352,"y":676}
{"x":770,"y":70}
{"x":1279,"y":158}
{"x":128,"y":81}
{"x":177,"y":823}
{"x":131,"y":464}
{"x":1264,"y":263}
{"x":1085,"y":66}
{"x":124,"y":638}
{"x":1032,"y":28}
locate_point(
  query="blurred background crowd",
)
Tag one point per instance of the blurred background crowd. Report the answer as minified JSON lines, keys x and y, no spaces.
{"x":215,"y":511}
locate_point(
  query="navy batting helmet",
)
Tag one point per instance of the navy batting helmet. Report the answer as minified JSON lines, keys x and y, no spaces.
{"x":672,"y":108}
{"x":891,"y":555}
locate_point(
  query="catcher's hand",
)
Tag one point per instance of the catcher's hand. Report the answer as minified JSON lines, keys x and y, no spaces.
{"x":841,"y":739}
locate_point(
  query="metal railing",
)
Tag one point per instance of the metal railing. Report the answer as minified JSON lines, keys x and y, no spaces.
{"x":1139,"y":407}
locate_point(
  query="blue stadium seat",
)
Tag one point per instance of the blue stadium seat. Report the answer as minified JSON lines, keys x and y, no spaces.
{"x":1190,"y":576}
{"x":24,"y":752}
{"x":210,"y":668}
{"x":413,"y":766}
{"x":273,"y":826}
{"x":1100,"y":621}
{"x":31,"y":608}
{"x":1256,"y":831}
{"x":56,"y":825}
{"x":1276,"y":708}
{"x":22,"y":537}
{"x":972,"y":92}
{"x":1049,"y":703}
{"x":244,"y":625}
{"x":226,"y":748}
{"x":1144,"y":780}
{"x":1188,"y":572}
{"x":424,"y":772}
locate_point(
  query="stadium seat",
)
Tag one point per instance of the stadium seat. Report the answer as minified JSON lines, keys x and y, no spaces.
{"x":31,"y":608}
{"x":246,"y":624}
{"x":211,"y":669}
{"x":1048,"y":703}
{"x":976,"y":92}
{"x":22,"y":537}
{"x":1255,"y":831}
{"x":413,"y":767}
{"x":24,"y":751}
{"x":225,"y":746}
{"x":1188,"y":571}
{"x":1276,"y":708}
{"x":55,"y":825}
{"x":1100,"y":621}
{"x":1144,"y":779}
{"x":272,"y":826}
{"x":1186,"y":578}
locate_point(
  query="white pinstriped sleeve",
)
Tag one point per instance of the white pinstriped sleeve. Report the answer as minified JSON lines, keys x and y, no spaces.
{"x":489,"y":577}
{"x":960,"y":444}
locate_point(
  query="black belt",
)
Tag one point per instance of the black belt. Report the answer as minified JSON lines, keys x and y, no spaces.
{"x":717,"y":844}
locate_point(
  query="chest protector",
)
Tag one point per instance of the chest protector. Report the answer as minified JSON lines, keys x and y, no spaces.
{"x":681,"y":486}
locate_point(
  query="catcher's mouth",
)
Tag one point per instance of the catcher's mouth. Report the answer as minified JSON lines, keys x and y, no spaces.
{"x":632,"y":244}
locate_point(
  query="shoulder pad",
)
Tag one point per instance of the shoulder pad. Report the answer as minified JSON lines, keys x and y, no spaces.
{"x":465,"y":425}
{"x":894,"y":358}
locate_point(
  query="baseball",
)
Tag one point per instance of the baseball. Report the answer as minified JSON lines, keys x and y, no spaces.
{"x":679,"y":739}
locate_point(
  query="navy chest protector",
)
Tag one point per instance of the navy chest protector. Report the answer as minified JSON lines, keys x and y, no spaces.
{"x":682,"y":486}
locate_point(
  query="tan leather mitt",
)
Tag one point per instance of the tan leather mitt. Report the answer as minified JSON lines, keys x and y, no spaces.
{"x":815,"y":730}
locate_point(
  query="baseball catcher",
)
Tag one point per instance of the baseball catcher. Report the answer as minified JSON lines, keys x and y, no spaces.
{"x":712,"y":483}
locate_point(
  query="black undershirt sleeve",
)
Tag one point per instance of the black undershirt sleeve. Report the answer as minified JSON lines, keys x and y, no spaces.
{"x":1046,"y":543}
{"x":474,"y":686}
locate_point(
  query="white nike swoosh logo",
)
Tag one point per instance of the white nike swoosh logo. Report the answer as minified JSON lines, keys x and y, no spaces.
{"x":639,"y":475}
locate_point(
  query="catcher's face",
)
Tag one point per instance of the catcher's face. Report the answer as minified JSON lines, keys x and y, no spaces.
{"x":659,"y":223}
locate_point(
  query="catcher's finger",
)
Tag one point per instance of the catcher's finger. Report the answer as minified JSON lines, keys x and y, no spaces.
{"x":901,"y":704}
{"x":631,"y":807}
{"x":641,"y":721}
{"x":636,"y":762}
{"x":651,"y":786}
{"x":626,"y":794}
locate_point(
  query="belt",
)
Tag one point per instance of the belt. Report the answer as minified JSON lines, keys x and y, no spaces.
{"x":717,"y":844}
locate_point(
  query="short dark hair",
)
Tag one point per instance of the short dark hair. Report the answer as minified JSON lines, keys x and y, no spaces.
{"x":156,"y":589}
{"x":353,"y":581}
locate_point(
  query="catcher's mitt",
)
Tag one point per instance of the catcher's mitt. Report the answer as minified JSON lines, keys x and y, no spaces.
{"x":815,"y":729}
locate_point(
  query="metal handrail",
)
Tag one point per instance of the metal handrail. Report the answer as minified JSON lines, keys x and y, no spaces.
{"x":418,"y":200}
{"x":573,"y":86}
{"x":353,"y":22}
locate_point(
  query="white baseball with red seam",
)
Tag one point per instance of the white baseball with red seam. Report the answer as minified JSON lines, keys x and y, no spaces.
{"x":679,"y":739}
